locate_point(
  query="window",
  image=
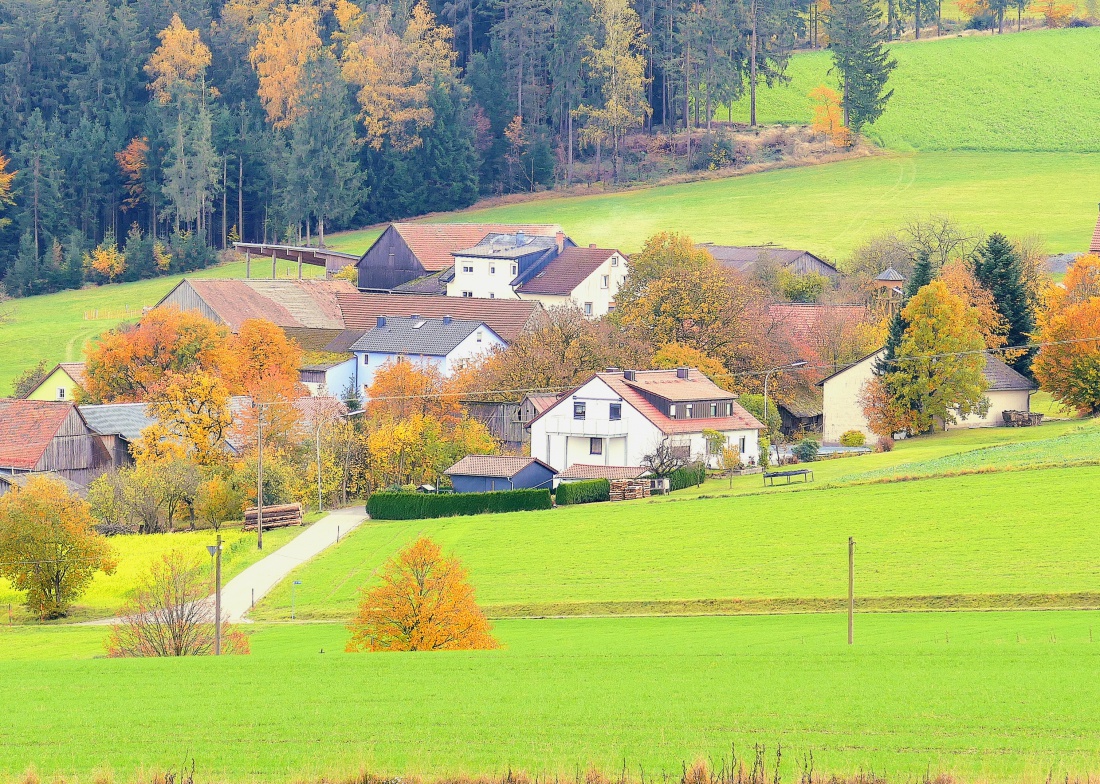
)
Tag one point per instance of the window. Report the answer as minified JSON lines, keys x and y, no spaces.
{"x":515,"y":269}
{"x":729,"y":409}
{"x":467,"y":294}
{"x":492,"y":269}
{"x":688,"y":409}
{"x":479,"y":334}
{"x":588,"y":308}
{"x":492,"y":295}
{"x":616,"y":412}
{"x":605,"y":281}
{"x":366,"y":359}
{"x":741,"y":445}
{"x":578,"y":410}
{"x":714,"y":409}
{"x":61,"y":393}
{"x":672,"y":410}
{"x":467,"y":268}
{"x":614,"y":261}
{"x":595,"y":446}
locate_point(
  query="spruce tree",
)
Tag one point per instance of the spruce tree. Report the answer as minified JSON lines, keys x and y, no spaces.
{"x":998,"y":267}
{"x":856,"y":39}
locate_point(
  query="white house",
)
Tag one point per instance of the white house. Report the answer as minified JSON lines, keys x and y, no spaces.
{"x":618,"y":417}
{"x":445,"y":343}
{"x":586,"y":278}
{"x":488,"y":270}
{"x":1008,"y":391}
{"x":330,"y":378}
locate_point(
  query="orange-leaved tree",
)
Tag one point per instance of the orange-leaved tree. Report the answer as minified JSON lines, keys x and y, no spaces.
{"x":403,"y":388}
{"x":266,"y":365}
{"x":48,"y":546}
{"x":285,"y":42}
{"x":7,"y":180}
{"x":132,"y":162}
{"x":129,"y":363}
{"x":959,"y":278}
{"x":193,"y":416}
{"x":425,"y":603}
{"x":1068,"y":365}
{"x":829,"y":115}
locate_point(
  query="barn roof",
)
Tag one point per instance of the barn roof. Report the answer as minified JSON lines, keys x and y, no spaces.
{"x":285,"y":303}
{"x":564,"y":273}
{"x":506,"y":317}
{"x":496,"y":466}
{"x":122,"y":419}
{"x":26,"y":429}
{"x":744,"y":257}
{"x":435,"y":243}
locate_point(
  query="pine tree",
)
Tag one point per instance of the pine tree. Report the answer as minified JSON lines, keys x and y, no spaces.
{"x":998,"y":268}
{"x":856,"y":39}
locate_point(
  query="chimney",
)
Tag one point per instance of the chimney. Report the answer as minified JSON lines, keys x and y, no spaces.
{"x":447,"y":320}
{"x":520,"y":239}
{"x":592,"y":245}
{"x":681,"y":372}
{"x":629,"y":375}
{"x":611,"y":370}
{"x":560,"y":239}
{"x":381,"y":321}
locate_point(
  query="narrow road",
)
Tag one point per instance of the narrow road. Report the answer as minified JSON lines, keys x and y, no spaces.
{"x":256,"y":581}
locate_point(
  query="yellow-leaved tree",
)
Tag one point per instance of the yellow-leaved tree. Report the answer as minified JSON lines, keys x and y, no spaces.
{"x":1067,"y":366}
{"x":285,"y":42}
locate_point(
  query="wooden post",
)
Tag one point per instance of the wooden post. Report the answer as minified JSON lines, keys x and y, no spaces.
{"x":259,"y":477}
{"x":247,"y":264}
{"x":299,"y":266}
{"x":218,"y":599}
{"x":851,"y":586}
{"x":274,"y":260}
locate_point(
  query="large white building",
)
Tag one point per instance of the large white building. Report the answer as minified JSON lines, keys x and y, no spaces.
{"x":1008,"y":391}
{"x":617,"y":418}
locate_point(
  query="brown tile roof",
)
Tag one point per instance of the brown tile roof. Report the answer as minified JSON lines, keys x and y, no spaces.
{"x":26,"y":429}
{"x":802,"y":323}
{"x":542,"y":402}
{"x":493,"y":465}
{"x":666,"y":384}
{"x":506,"y":317}
{"x":1094,"y":246}
{"x":582,"y":471}
{"x":744,"y":258}
{"x":285,"y":303}
{"x":433,"y":243}
{"x":571,"y":268}
{"x":741,"y":419}
{"x":75,"y":371}
{"x":312,"y":340}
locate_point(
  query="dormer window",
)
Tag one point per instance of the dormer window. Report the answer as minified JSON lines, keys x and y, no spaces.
{"x":688,"y":410}
{"x":714,"y":409}
{"x":672,"y":410}
{"x":729,"y":409}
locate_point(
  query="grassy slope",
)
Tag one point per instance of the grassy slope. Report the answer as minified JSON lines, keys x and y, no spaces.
{"x":988,"y":696}
{"x":55,"y":327}
{"x":1030,"y":92}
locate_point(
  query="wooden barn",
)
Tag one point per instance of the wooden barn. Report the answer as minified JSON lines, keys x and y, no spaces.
{"x":745,"y":258}
{"x":45,"y":436}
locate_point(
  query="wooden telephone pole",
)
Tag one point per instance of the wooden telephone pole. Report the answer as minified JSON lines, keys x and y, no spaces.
{"x":216,"y":551}
{"x":851,"y":587}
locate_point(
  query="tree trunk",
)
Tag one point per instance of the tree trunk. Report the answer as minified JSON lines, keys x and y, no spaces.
{"x":240,"y":198}
{"x":225,"y":207}
{"x":916,"y":21}
{"x":321,"y":231}
{"x":569,"y":154}
{"x":752,"y":68}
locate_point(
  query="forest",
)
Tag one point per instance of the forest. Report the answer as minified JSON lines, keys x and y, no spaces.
{"x":137,"y":135}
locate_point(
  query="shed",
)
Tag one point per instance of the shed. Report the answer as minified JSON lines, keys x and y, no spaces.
{"x":483,"y":473}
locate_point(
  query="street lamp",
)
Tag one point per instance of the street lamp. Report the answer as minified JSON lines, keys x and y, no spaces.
{"x":293,"y":585}
{"x":215,"y":551}
{"x":797,"y":364}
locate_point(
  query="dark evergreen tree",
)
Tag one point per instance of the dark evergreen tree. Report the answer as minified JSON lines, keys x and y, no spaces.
{"x":998,"y":267}
{"x":857,"y":40}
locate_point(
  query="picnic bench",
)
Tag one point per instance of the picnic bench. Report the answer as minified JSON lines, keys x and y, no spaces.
{"x":770,"y":476}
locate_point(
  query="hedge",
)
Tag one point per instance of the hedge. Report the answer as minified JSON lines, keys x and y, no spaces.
{"x":688,"y":476}
{"x":586,"y":492}
{"x":421,"y":506}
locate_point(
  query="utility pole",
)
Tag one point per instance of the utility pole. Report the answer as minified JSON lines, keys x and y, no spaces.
{"x":259,"y":477}
{"x":851,"y":587}
{"x":216,"y":551}
{"x":320,"y":495}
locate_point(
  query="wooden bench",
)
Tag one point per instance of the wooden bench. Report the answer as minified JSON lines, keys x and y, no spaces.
{"x":275,"y":516}
{"x":770,"y":476}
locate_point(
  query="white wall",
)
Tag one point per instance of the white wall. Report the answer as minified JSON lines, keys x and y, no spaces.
{"x":840,"y":401}
{"x":1001,"y":400}
{"x":490,"y":278}
{"x":479,"y":342}
{"x":591,"y":290}
{"x":337,"y":379}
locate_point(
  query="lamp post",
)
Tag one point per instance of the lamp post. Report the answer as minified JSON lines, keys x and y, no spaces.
{"x":798,"y":363}
{"x":215,"y":551}
{"x":293,"y":585}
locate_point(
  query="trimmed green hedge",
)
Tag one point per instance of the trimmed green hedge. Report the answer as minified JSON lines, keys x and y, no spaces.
{"x":688,"y":476}
{"x":421,"y":506}
{"x":586,"y":492}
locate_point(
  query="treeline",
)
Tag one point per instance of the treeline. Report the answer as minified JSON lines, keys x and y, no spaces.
{"x":268,"y":120}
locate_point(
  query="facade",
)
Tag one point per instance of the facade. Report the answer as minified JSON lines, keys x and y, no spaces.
{"x":44,"y":436}
{"x":119,"y":426}
{"x":405,"y":252}
{"x":744,"y":258}
{"x":1008,"y":391}
{"x":486,"y":473}
{"x":490,"y":269}
{"x":444,"y":343}
{"x":617,"y":418}
{"x":60,"y":384}
{"x":331,"y":378}
{"x":586,"y":278}
{"x":501,"y":419}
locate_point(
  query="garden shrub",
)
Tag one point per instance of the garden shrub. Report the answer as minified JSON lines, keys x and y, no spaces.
{"x":885,"y":444}
{"x":805,"y":450}
{"x":420,"y":506}
{"x":687,"y":476}
{"x":853,"y":438}
{"x":586,"y":492}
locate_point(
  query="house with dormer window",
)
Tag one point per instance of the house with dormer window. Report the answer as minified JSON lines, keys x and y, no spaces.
{"x":616,"y":418}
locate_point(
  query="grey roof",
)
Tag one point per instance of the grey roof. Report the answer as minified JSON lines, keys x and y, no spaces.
{"x":434,"y":337}
{"x":1002,"y":378}
{"x":436,"y":283}
{"x":342,"y":343}
{"x":496,"y":466}
{"x":744,"y":257}
{"x":890,"y":274}
{"x":122,"y":419}
{"x":509,"y":246}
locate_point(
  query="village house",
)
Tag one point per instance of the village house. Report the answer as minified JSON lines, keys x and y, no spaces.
{"x":405,"y":252}
{"x":486,"y":473}
{"x":617,"y":418}
{"x":60,"y":384}
{"x":585,"y":278}
{"x":444,"y":343}
{"x":1007,"y":391}
{"x":119,"y":426}
{"x":50,"y":437}
{"x":745,"y":259}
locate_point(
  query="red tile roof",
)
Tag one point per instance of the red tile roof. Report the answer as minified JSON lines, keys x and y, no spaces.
{"x":75,"y":371}
{"x":740,"y":420}
{"x":493,"y":465}
{"x":542,"y":402}
{"x":285,"y":303}
{"x":506,"y":317}
{"x":571,"y":268}
{"x":26,"y":429}
{"x":582,"y":471}
{"x":1094,"y":246}
{"x":802,"y":323}
{"x":433,"y":243}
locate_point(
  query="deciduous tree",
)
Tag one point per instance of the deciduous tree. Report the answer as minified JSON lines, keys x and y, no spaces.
{"x":285,"y":42}
{"x":425,"y":603}
{"x":1068,"y":365}
{"x":193,"y":413}
{"x":48,"y":546}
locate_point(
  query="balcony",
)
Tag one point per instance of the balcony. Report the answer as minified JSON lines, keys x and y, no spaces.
{"x":566,"y":425}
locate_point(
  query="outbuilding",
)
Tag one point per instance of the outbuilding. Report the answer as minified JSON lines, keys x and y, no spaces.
{"x":484,"y":473}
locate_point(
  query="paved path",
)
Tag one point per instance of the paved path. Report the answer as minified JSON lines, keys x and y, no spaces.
{"x":262,"y":576}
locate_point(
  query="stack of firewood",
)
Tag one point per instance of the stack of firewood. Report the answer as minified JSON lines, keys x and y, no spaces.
{"x":629,"y":489}
{"x":278,"y":516}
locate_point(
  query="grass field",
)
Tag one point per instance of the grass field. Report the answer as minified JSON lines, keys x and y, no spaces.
{"x":137,"y":552}
{"x":987,"y":696}
{"x":1029,"y":92}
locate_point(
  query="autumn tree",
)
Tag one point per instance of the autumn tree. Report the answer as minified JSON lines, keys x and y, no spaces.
{"x":217,"y":500}
{"x":193,"y":419}
{"x":937,"y":372}
{"x":129,"y":362}
{"x":959,"y":278}
{"x":828,"y":116}
{"x":170,"y":614}
{"x":132,"y":162}
{"x":424,"y":603}
{"x":857,"y":42}
{"x":7,"y":195}
{"x":267,"y":365}
{"x":285,"y":42}
{"x":1068,"y":363}
{"x":105,"y":262}
{"x":48,"y":546}
{"x":30,"y":378}
{"x":677,"y":355}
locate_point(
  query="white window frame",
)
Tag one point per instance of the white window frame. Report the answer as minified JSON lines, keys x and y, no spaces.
{"x":61,"y":393}
{"x":605,"y":281}
{"x":588,"y":309}
{"x":467,"y":267}
{"x":468,"y":294}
